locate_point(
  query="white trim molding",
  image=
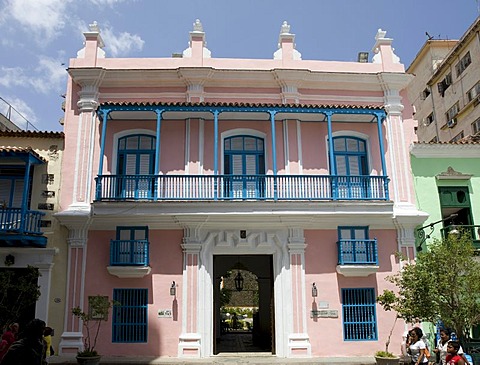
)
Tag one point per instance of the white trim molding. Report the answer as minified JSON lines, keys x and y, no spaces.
{"x":445,"y":150}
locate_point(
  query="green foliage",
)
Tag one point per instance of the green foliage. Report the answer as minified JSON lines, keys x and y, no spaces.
{"x":385,"y":354}
{"x":246,"y":312}
{"x":443,"y":283}
{"x":99,"y":307}
{"x":17,"y":292}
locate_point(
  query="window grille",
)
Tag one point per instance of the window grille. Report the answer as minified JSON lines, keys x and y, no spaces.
{"x":130,"y":315}
{"x":359,"y":316}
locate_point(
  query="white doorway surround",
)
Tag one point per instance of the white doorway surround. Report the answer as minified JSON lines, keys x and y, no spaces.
{"x":228,"y":242}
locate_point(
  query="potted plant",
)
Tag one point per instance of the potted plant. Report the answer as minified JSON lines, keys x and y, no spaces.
{"x":99,"y":307}
{"x":384,"y":357}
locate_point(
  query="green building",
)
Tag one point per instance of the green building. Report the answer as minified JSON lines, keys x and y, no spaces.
{"x":446,"y":178}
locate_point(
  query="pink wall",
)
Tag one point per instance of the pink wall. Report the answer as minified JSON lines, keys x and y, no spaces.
{"x":326,"y":334}
{"x":166,"y":259}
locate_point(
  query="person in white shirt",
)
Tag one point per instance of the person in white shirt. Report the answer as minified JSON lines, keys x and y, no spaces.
{"x":445,"y":338}
{"x":417,"y":347}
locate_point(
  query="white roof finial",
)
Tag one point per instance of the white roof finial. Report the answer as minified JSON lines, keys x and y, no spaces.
{"x":380,"y":34}
{"x":197,"y":26}
{"x":285,"y":29}
{"x":94,"y":27}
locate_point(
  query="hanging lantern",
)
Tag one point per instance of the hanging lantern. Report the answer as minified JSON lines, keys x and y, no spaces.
{"x":173,"y":289}
{"x":239,"y":282}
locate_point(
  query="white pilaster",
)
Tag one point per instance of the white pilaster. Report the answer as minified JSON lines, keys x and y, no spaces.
{"x":190,"y":340}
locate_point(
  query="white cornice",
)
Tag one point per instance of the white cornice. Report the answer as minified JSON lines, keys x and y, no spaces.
{"x":91,"y":77}
{"x":259,"y":78}
{"x":444,"y":150}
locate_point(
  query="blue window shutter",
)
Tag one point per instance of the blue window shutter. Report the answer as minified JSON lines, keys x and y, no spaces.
{"x":359,"y":315}
{"x":350,"y":156}
{"x":130,"y":323}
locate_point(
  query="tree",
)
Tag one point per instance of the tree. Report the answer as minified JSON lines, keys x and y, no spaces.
{"x":442,"y":284}
{"x":99,"y":307}
{"x":19,"y":290}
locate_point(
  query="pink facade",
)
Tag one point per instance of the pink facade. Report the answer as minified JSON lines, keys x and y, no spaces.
{"x":282,"y":165}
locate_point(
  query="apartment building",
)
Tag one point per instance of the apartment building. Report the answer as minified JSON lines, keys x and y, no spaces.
{"x":446,"y":88}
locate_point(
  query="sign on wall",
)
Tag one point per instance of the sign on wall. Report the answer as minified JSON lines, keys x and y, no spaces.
{"x":330,"y":313}
{"x":164,"y":313}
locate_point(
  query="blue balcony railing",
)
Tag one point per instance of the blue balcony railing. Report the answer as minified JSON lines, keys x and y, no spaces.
{"x":20,"y":222}
{"x":472,"y":230}
{"x":129,"y":253}
{"x":357,"y":252}
{"x":240,"y":187}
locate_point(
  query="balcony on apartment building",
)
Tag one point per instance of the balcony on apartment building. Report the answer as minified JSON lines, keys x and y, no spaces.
{"x":19,"y":225}
{"x":243,"y":175}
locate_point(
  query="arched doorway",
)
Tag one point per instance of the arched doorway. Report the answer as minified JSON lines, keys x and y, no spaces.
{"x":243,"y":304}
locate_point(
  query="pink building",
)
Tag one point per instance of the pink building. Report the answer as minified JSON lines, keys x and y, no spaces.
{"x":178,"y":171}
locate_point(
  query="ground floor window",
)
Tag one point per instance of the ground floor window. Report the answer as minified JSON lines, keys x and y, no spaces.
{"x":359,"y":317}
{"x":130,"y":315}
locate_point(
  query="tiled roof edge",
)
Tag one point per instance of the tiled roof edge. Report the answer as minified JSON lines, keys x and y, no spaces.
{"x":35,"y":134}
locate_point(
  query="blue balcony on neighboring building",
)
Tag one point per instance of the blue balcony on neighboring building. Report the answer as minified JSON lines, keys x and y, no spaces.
{"x":357,"y":257}
{"x":21,"y":227}
{"x":240,"y":187}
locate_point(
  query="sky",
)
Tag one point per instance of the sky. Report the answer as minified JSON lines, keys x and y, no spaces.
{"x":38,"y":37}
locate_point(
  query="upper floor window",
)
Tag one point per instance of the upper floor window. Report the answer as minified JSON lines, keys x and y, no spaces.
{"x":244,"y":156}
{"x":352,"y":233}
{"x":458,"y":137}
{"x":428,"y":120}
{"x":12,"y":186}
{"x":474,"y":92}
{"x":131,"y":247}
{"x":136,"y":162}
{"x":476,"y":126}
{"x":425,"y":93}
{"x":355,"y":247}
{"x":463,"y":64}
{"x":136,"y":155}
{"x":359,"y":316}
{"x":452,"y":112}
{"x":444,"y":84}
{"x":132,"y":233}
{"x":130,"y":315}
{"x":350,"y":156}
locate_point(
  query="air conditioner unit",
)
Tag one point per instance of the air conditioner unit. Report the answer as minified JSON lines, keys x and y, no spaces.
{"x":452,"y":122}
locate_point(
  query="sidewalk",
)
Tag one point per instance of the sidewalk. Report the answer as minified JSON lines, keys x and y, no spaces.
{"x":231,"y":359}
